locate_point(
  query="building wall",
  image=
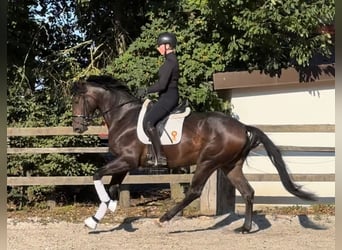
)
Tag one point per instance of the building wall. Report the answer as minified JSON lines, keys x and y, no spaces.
{"x":281,"y":105}
{"x":285,"y":105}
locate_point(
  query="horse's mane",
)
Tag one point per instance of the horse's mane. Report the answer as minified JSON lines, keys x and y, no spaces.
{"x":107,"y":82}
{"x":104,"y":81}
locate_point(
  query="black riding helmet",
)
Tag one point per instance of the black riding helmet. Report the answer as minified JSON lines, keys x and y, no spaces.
{"x":167,"y":38}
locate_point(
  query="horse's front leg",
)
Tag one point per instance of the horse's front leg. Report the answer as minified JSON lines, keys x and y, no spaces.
{"x":114,"y":185}
{"x":117,"y":166}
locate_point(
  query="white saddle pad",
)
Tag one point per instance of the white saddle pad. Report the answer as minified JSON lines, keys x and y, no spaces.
{"x":173,"y":128}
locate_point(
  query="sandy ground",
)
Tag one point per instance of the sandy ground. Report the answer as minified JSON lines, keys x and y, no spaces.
{"x":203,"y":232}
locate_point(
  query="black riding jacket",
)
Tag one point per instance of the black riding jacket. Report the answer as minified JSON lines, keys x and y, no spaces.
{"x":168,"y":75}
{"x":167,"y":88}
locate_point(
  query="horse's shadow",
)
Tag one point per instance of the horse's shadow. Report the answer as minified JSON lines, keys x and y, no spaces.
{"x":305,"y":222}
{"x":126,"y":225}
{"x":261,"y":222}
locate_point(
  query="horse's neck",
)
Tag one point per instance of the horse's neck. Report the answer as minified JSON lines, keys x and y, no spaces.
{"x":116,"y":114}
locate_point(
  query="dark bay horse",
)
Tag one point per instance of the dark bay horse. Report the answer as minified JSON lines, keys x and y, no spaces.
{"x":210,"y":140}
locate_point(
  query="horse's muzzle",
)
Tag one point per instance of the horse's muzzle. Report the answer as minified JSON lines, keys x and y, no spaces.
{"x":79,"y":125}
{"x":79,"y":130}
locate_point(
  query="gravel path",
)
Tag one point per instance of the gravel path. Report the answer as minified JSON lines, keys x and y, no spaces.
{"x":214,"y":233}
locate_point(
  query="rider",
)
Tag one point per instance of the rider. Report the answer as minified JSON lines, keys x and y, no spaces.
{"x":167,"y":88}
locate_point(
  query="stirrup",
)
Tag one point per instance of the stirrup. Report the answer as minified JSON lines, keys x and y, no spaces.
{"x":157,"y":162}
{"x":161,"y":161}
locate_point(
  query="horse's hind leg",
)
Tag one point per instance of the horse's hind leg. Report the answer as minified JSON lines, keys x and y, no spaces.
{"x":238,"y":179}
{"x":197,"y":183}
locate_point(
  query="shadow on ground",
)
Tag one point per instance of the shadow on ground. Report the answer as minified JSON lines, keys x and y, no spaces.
{"x":260,"y":223}
{"x":305,"y":222}
{"x":126,"y":225}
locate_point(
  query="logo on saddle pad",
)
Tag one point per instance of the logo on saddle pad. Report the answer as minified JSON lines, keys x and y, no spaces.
{"x":172,"y":131}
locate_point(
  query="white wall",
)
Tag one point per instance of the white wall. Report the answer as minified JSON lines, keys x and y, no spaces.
{"x":280,"y":105}
{"x":303,"y":104}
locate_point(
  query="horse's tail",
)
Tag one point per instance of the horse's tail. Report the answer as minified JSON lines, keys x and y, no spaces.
{"x":256,"y":136}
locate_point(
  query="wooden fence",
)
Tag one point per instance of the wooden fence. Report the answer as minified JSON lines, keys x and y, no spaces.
{"x":209,"y":194}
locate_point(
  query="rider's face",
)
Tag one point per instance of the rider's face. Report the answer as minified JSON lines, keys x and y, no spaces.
{"x":163,"y":48}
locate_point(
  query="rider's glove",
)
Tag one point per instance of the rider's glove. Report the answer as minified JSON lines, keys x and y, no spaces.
{"x":141,"y":93}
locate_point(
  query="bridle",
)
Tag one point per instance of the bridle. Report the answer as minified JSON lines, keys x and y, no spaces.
{"x":88,"y":118}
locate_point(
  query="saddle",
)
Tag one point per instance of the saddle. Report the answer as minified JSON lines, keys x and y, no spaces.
{"x":170,"y":128}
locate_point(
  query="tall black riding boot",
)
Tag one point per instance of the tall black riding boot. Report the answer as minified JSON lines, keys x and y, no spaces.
{"x":160,"y":159}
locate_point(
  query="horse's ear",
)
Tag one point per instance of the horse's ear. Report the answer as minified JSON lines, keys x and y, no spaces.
{"x":77,"y":87}
{"x":74,"y":88}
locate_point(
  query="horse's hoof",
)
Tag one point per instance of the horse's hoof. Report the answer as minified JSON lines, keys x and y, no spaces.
{"x":160,"y":224}
{"x":241,"y":230}
{"x":112,"y":205}
{"x":90,"y":223}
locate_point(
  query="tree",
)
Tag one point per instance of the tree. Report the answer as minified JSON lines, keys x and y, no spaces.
{"x":217,"y":35}
{"x":198,"y":58}
{"x":40,"y":64}
{"x":111,"y":25}
{"x":271,"y":35}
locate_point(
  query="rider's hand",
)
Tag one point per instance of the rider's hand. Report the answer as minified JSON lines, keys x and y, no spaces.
{"x":141,"y":93}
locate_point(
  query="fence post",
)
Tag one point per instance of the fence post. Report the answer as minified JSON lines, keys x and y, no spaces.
{"x":124,"y":199}
{"x":218,"y":195}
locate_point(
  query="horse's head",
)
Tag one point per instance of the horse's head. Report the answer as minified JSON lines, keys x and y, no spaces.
{"x":98,"y":92}
{"x":84,"y":103}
